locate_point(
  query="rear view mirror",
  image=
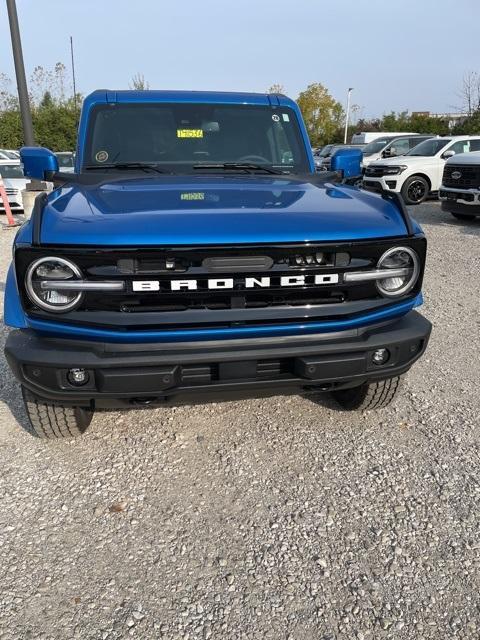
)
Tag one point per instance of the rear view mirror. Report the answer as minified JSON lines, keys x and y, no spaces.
{"x":38,"y":162}
{"x":448,"y":154}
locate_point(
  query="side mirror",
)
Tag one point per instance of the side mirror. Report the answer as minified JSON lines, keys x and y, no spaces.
{"x":388,"y":153}
{"x":38,"y":163}
{"x":448,"y":154}
{"x":348,"y":162}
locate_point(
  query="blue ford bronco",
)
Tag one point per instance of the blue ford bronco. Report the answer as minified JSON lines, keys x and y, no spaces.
{"x":196,"y":255}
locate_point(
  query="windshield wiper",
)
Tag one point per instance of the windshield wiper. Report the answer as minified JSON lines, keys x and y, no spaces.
{"x":238,"y":166}
{"x":122,"y":166}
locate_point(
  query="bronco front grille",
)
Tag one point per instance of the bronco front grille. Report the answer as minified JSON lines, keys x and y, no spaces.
{"x":265,"y":284}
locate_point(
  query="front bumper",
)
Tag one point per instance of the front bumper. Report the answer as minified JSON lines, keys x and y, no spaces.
{"x":15,"y":202}
{"x":385,"y":183}
{"x":462,"y":201}
{"x":126,"y":374}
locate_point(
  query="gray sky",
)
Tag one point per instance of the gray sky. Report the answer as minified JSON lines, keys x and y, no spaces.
{"x":403,"y":54}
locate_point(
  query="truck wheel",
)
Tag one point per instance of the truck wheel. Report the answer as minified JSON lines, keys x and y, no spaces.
{"x":371,"y":395}
{"x":51,"y":421}
{"x":463,"y":216}
{"x":415,"y":190}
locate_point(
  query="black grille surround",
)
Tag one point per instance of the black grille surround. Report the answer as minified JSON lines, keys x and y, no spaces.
{"x":469,"y":176}
{"x":133,"y":311}
{"x":375,"y":171}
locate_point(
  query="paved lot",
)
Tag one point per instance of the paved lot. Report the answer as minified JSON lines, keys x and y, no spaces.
{"x":279,"y":518}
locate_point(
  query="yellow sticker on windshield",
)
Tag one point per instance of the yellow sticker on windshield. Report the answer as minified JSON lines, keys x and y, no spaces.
{"x":193,"y":195}
{"x":189,"y":133}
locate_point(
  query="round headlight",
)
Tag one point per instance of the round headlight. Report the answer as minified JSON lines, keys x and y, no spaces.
{"x":404,"y":264}
{"x":39,"y":281}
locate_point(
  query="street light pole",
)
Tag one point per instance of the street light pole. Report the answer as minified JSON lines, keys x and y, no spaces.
{"x":347,"y":115}
{"x":23,"y":99}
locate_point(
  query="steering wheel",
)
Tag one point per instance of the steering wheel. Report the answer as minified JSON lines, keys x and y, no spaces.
{"x":253,"y":160}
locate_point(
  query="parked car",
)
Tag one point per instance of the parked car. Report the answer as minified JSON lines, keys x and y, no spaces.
{"x":418,"y":173}
{"x":391,"y":146}
{"x":14,"y":181}
{"x":460,"y":190}
{"x":320,"y":154}
{"x":370,"y":136}
{"x":66,"y":161}
{"x":197,"y":255}
{"x":9,"y":154}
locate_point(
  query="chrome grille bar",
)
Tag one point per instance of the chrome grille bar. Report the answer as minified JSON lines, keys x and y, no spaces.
{"x":81,"y":285}
{"x":378,"y":274}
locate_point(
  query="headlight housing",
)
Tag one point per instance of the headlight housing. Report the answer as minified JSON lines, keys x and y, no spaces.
{"x":394,"y":171}
{"x":405,"y":266}
{"x":41,"y":275}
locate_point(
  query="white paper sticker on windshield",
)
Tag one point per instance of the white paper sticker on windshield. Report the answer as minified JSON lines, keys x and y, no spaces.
{"x":276,"y":118}
{"x":285,"y":117}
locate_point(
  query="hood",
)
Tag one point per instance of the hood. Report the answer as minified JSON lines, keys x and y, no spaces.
{"x":372,"y":157}
{"x":15,"y":183}
{"x":473,"y":157}
{"x":411,"y":161}
{"x":208,"y":210}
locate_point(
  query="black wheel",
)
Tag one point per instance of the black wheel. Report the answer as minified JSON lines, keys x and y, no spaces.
{"x":463,"y":216}
{"x":415,"y":190}
{"x":51,"y":421}
{"x":371,"y":395}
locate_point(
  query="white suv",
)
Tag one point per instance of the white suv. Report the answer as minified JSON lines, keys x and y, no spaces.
{"x":419,"y":172}
{"x":11,"y":171}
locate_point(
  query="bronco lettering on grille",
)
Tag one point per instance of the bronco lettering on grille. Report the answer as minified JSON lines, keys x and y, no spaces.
{"x":229,"y":283}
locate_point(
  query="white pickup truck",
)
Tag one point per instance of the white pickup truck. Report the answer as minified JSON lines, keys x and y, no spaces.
{"x":418,"y":173}
{"x":460,"y":190}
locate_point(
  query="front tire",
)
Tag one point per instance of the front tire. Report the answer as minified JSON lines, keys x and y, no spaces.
{"x":52,"y":421}
{"x":370,"y":395}
{"x":415,"y":190}
{"x":465,"y":217}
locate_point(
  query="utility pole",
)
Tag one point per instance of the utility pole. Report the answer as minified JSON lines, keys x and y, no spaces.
{"x":347,"y":115}
{"x":34,"y":187}
{"x":23,"y":99}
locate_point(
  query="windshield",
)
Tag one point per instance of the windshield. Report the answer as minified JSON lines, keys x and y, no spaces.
{"x":65,"y":160}
{"x":179,"y":137}
{"x":12,"y":155}
{"x":376,"y":146}
{"x":11,"y":171}
{"x":428,"y":147}
{"x":325,"y":151}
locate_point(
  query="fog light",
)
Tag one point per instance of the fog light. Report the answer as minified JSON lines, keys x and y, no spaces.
{"x":380,"y":356}
{"x":78,"y":377}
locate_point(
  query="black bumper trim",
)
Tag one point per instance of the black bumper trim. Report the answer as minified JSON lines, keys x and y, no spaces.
{"x":120,"y":374}
{"x":452,"y":206}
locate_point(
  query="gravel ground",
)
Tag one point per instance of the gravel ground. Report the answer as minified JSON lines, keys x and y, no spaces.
{"x":279,"y":518}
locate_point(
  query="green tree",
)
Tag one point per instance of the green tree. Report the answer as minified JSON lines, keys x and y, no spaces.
{"x":470,"y":126}
{"x":323,"y":114}
{"x":55,"y":125}
{"x":11,"y":133}
{"x":54,"y":116}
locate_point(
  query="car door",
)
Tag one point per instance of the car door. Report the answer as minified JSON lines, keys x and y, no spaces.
{"x":399,"y":147}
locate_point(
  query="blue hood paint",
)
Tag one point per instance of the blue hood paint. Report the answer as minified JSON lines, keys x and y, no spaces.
{"x":211,"y":210}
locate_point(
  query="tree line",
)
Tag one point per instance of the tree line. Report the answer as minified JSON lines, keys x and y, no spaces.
{"x":55,"y":112}
{"x":325,"y":117}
